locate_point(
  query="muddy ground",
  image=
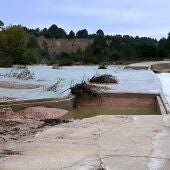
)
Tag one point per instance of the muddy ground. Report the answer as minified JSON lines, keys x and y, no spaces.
{"x":14,"y":85}
{"x":24,"y":124}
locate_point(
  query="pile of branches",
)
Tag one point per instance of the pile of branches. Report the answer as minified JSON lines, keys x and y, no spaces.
{"x":102,"y":67}
{"x":23,"y":74}
{"x":104,"y":79}
{"x":55,"y":86}
{"x":85,"y":89}
{"x":56,"y":66}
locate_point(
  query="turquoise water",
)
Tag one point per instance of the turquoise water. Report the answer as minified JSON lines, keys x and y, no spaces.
{"x":143,"y":81}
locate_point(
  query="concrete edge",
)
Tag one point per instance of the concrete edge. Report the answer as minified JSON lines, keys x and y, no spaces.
{"x":160,"y":106}
{"x":61,"y":104}
{"x":165,"y":103}
{"x":68,"y":103}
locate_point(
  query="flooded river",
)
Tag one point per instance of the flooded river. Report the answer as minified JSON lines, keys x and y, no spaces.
{"x":140,"y":81}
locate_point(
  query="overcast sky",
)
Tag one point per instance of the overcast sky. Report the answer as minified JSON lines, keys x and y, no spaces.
{"x":133,"y":17}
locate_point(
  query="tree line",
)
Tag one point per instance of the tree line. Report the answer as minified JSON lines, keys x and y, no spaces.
{"x":18,"y":45}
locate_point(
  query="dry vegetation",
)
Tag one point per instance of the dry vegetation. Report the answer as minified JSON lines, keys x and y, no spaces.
{"x":103,"y":79}
{"x":22,"y":74}
{"x":85,"y":89}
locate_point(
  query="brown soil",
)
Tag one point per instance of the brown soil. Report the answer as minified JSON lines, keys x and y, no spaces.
{"x":36,"y":113}
{"x":161,"y":68}
{"x":16,"y":126}
{"x":41,"y":113}
{"x":13,"y":130}
{"x":7,"y":99}
{"x":13,"y":85}
{"x":63,"y":45}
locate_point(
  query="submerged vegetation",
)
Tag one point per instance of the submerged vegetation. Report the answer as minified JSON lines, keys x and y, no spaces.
{"x":19,"y":45}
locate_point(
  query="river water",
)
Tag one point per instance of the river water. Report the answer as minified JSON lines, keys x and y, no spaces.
{"x":143,"y":81}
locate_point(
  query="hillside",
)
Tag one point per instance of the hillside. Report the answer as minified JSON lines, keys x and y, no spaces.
{"x":63,"y":45}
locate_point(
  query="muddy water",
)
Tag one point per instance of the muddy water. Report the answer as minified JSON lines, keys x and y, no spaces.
{"x":90,"y":111}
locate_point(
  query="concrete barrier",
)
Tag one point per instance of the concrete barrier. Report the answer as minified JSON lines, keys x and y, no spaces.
{"x":143,"y":100}
{"x":66,"y":103}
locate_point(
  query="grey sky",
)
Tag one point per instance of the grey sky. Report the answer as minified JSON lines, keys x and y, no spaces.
{"x":133,"y":17}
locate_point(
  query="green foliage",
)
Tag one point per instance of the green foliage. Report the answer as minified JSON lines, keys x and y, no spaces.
{"x":55,"y":32}
{"x":17,"y":47}
{"x":1,"y":24}
{"x":31,"y":56}
{"x":82,"y":33}
{"x":32,"y":42}
{"x":71,"y":35}
{"x":100,"y":33}
{"x":148,"y":51}
{"x":13,"y":44}
{"x":64,"y":60}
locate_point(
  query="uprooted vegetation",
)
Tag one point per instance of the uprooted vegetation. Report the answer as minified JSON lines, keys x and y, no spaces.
{"x":22,"y":74}
{"x":102,"y":67}
{"x":84,"y":88}
{"x":53,"y":122}
{"x":104,"y":79}
{"x":56,"y":66}
{"x":55,"y":86}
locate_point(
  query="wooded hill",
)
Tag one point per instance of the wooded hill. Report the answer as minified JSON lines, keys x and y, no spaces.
{"x":21,"y":45}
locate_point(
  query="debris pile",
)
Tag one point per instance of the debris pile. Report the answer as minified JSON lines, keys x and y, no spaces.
{"x":102,"y":67}
{"x":103,"y":79}
{"x":55,"y":86}
{"x":84,"y":88}
{"x":22,"y":74}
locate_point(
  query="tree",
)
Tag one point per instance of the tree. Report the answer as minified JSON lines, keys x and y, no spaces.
{"x":162,"y":46}
{"x":115,"y":56}
{"x":32,"y":42}
{"x":55,"y":32}
{"x":147,"y":51}
{"x":31,"y":56}
{"x":71,"y":35}
{"x":97,"y":52}
{"x":116,"y":42}
{"x":82,"y":34}
{"x":100,"y":33}
{"x":1,"y":24}
{"x":13,"y":44}
{"x":61,"y":33}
